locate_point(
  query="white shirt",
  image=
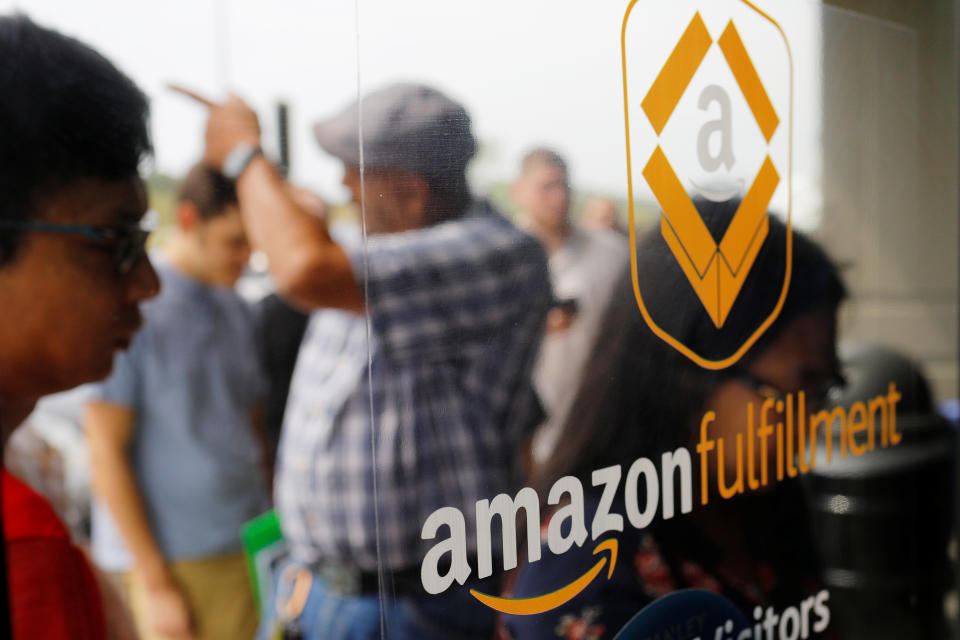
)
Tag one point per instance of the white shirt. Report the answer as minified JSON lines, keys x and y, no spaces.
{"x":586,"y":269}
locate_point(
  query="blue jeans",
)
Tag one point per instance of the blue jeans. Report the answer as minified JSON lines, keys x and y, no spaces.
{"x":329,"y":615}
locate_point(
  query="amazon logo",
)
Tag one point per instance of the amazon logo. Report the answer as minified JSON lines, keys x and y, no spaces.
{"x":713,"y":120}
{"x":645,"y":489}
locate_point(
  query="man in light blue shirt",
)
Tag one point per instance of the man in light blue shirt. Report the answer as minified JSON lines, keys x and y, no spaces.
{"x":177,"y":464}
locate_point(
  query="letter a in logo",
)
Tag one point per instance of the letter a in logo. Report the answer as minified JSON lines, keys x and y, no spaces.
{"x":708,"y":64}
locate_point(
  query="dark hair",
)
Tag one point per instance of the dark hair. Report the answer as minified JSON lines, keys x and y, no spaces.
{"x":66,"y":113}
{"x":639,"y":396}
{"x":208,"y":190}
{"x":449,"y":195}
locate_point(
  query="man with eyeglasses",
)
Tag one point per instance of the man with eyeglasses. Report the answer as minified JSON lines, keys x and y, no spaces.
{"x":174,"y":437}
{"x":72,"y":274}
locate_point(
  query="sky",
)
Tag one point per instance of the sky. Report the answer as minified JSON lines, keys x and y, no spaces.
{"x":531,"y":73}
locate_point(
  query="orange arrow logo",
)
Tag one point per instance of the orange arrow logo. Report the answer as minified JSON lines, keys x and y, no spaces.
{"x":716,"y":268}
{"x":548,"y":601}
{"x":716,"y":272}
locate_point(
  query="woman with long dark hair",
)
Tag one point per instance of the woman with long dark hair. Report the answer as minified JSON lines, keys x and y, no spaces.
{"x":640,"y":397}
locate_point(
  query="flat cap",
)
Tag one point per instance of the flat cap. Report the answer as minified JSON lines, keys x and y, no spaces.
{"x":411,"y":127}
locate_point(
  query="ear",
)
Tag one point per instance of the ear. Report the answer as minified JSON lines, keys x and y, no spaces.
{"x":187,"y":216}
{"x":416,"y":195}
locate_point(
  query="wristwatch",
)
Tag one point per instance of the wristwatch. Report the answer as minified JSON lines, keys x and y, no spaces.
{"x":238,"y":159}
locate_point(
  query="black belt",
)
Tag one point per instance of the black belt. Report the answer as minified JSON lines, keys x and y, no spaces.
{"x":399,"y":583}
{"x":349,"y":581}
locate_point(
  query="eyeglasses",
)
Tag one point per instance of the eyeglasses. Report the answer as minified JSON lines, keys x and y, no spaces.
{"x":826,"y":391}
{"x":129,"y":241}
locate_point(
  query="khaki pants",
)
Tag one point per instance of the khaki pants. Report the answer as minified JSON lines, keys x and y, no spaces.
{"x":218,"y":591}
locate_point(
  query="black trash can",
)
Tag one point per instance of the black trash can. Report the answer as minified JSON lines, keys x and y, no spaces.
{"x":884,"y":521}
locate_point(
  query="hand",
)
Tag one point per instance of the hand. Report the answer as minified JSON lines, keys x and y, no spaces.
{"x":559,"y":320}
{"x":168,"y":613}
{"x":228,"y":124}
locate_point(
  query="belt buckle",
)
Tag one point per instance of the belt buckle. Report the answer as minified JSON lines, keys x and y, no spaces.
{"x":341,"y":580}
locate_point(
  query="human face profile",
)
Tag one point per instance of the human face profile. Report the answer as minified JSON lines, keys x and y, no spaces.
{"x":68,"y":307}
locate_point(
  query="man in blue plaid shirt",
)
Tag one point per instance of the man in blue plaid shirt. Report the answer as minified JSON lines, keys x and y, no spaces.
{"x":413,"y":368}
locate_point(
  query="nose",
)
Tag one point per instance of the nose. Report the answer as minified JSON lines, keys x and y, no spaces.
{"x":142,"y":282}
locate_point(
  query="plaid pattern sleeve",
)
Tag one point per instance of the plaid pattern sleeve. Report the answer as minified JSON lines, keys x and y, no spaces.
{"x":456,"y":312}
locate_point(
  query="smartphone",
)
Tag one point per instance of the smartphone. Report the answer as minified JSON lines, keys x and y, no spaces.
{"x":568,"y":305}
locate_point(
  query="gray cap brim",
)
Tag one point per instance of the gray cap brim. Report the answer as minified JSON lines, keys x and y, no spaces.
{"x":340,"y":135}
{"x":404,"y":126}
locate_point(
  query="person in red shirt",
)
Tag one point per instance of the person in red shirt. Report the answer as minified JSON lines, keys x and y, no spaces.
{"x":72,"y":272}
{"x":53,"y":592}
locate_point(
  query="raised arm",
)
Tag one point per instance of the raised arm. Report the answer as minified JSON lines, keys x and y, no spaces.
{"x":310,"y":269}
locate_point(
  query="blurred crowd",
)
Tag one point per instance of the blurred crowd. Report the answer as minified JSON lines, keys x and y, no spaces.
{"x":436,"y":354}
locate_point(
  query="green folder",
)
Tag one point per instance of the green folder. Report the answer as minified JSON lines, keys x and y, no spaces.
{"x":263,"y":546}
